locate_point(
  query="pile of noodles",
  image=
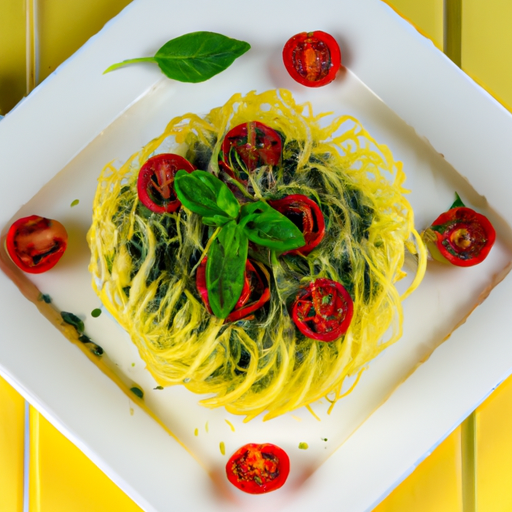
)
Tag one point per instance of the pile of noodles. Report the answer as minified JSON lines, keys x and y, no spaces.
{"x":144,"y":264}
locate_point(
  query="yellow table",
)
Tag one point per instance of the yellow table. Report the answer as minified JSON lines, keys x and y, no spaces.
{"x":470,"y":471}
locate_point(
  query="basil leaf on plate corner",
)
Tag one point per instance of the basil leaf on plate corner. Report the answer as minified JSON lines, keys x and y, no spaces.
{"x":225,"y":269}
{"x":265,"y":226}
{"x":194,"y":57}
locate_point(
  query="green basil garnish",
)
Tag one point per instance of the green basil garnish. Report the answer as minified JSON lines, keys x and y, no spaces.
{"x":225,"y":269}
{"x":265,"y":226}
{"x":194,"y":57}
{"x":457,"y":203}
{"x":137,"y":391}
{"x":206,"y":195}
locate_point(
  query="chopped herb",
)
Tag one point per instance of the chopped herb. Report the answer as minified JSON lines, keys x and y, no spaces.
{"x":45,"y":298}
{"x":75,"y":202}
{"x":73,"y":320}
{"x":137,"y":391}
{"x":159,"y":387}
{"x":324,"y":439}
{"x":303,"y":446}
{"x":95,"y":313}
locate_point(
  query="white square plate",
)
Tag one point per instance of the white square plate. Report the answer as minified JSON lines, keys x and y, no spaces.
{"x":411,"y":98}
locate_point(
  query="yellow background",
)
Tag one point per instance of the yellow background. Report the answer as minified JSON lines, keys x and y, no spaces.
{"x":62,"y":479}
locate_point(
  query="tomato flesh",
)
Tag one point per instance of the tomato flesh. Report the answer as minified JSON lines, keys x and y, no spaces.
{"x":463,"y":237}
{"x":312,"y":58}
{"x":155,"y":183}
{"x":249,"y":146}
{"x":306,"y":215}
{"x":35,"y":244}
{"x":258,"y":468}
{"x":323,"y":311}
{"x":255,"y":292}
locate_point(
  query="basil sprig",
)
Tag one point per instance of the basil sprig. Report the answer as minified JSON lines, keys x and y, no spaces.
{"x":194,"y":57}
{"x":206,"y":195}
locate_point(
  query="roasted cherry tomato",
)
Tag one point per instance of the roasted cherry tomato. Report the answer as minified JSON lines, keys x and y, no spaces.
{"x":312,"y":58}
{"x":460,"y":236}
{"x":155,"y":183}
{"x":306,"y":215}
{"x":249,"y":146}
{"x":255,"y":292}
{"x":258,"y":468}
{"x":323,"y":311}
{"x":36,"y":244}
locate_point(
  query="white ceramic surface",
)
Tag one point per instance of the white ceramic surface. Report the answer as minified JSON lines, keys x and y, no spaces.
{"x":410,"y":97}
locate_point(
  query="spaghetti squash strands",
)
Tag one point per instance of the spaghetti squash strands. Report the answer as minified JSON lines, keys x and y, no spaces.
{"x":144,"y":264}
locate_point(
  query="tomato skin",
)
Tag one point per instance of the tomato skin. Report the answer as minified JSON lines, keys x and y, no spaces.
{"x":255,"y":292}
{"x":312,"y":219}
{"x":258,"y":468}
{"x":331,"y":319}
{"x":156,"y":178}
{"x":460,"y":236}
{"x":252,"y":144}
{"x":312,"y":58}
{"x":35,"y":244}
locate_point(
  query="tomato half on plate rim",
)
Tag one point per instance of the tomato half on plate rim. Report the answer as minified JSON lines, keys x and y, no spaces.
{"x":312,"y":58}
{"x":258,"y":468}
{"x":35,"y":244}
{"x":463,"y":237}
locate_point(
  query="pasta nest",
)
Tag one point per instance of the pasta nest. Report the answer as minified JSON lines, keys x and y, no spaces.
{"x":143,"y":264}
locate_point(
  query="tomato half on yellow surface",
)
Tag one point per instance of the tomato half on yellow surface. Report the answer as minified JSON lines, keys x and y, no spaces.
{"x":35,"y":244}
{"x":312,"y":58}
{"x":258,"y":468}
{"x":155,"y":183}
{"x":460,"y":236}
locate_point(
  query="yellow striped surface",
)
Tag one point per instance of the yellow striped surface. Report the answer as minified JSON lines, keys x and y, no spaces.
{"x":12,"y":414}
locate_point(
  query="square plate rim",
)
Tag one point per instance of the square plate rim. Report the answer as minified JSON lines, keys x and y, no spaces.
{"x":22,"y":125}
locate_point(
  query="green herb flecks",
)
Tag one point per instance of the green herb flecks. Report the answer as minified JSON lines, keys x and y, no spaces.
{"x":194,"y":57}
{"x":73,"y":320}
{"x":45,"y":298}
{"x":303,"y":446}
{"x":75,"y":202}
{"x":137,"y":391}
{"x":95,"y":313}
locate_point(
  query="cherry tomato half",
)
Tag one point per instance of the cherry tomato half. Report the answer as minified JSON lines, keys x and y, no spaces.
{"x":323,"y":311}
{"x":249,"y":146}
{"x":306,"y":215}
{"x":35,"y":244}
{"x":258,"y":468}
{"x":255,"y":292}
{"x":312,"y":58}
{"x":155,"y":183}
{"x":461,"y":237}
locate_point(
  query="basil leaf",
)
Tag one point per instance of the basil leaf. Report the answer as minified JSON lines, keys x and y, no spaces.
{"x":457,"y":203}
{"x":225,"y":269}
{"x":206,"y":195}
{"x":194,"y":57}
{"x":265,"y":226}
